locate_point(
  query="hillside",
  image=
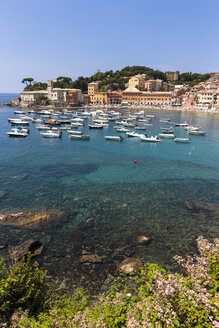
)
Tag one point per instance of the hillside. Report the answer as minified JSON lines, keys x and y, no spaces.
{"x":114,"y":80}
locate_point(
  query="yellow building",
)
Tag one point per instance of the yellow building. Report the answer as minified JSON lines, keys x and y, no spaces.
{"x":137,"y":81}
{"x":98,"y":98}
{"x":92,"y":88}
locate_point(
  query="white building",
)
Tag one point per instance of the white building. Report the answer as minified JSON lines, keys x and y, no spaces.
{"x":56,"y":95}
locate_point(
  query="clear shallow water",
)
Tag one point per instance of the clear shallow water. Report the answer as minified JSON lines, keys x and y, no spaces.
{"x":98,"y":179}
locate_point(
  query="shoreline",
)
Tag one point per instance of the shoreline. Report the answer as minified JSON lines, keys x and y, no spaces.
{"x":99,"y":107}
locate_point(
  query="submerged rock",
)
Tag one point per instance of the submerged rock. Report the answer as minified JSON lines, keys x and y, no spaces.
{"x":3,"y":244}
{"x":32,"y":219}
{"x":143,"y":240}
{"x":208,"y":210}
{"x":130,"y":265}
{"x":2,"y":194}
{"x":76,"y":235}
{"x":90,"y":258}
{"x":35,"y":247}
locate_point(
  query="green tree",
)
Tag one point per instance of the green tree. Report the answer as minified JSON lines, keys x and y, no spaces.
{"x":27,"y":80}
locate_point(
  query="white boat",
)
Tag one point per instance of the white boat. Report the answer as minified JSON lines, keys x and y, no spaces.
{"x":79,"y":137}
{"x":74,"y":132}
{"x":17,"y":134}
{"x":182,"y":140}
{"x":66,"y":127}
{"x":167,"y":130}
{"x":21,"y":129}
{"x":134,"y":134}
{"x":51,"y":134}
{"x":181,"y":124}
{"x":15,"y":121}
{"x":95,"y":126}
{"x":19,"y":112}
{"x":42,"y":127}
{"x":122,"y":130}
{"x":114,"y":138}
{"x":197,"y":133}
{"x":150,"y":116}
{"x":150,"y":139}
{"x":76,"y":124}
{"x":167,"y":135}
{"x":140,"y":128}
{"x":193,"y":128}
{"x":37,"y":120}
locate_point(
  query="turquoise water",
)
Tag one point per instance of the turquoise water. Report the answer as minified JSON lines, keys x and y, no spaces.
{"x":98,"y":179}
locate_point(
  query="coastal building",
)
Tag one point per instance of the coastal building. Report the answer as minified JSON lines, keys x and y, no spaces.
{"x":135,"y":97}
{"x":92,"y":88}
{"x":98,"y":98}
{"x":74,"y":97}
{"x":131,"y":96}
{"x":153,"y":85}
{"x":205,"y":99}
{"x":137,"y":81}
{"x":168,"y":87}
{"x":157,"y":98}
{"x":114,"y":97}
{"x":55,"y":95}
{"x":86,"y":99}
{"x":28,"y":97}
{"x":172,"y":76}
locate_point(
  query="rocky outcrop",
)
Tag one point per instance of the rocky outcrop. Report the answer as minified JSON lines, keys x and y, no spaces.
{"x":31,"y":219}
{"x":35,"y":247}
{"x":130,"y":265}
{"x":144,"y":240}
{"x":90,"y":258}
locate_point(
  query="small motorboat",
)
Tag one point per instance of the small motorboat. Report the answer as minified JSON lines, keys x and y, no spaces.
{"x":79,"y":137}
{"x":182,"y":140}
{"x":15,"y":121}
{"x":193,"y":128}
{"x":150,"y":139}
{"x":122,"y":130}
{"x":51,"y":134}
{"x":42,"y":127}
{"x":167,"y":130}
{"x":67,"y":127}
{"x":181,"y":124}
{"x":95,"y":126}
{"x":150,"y":116}
{"x":21,"y":129}
{"x":37,"y":120}
{"x":17,"y":134}
{"x":134,"y":134}
{"x":197,"y":132}
{"x":114,"y":138}
{"x":167,"y":135}
{"x":140,"y":128}
{"x":74,"y":132}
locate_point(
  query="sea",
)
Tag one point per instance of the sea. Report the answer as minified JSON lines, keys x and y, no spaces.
{"x":113,"y":192}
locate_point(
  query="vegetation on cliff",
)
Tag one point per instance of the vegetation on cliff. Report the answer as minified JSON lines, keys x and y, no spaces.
{"x":151,"y":298}
{"x":113,"y":80}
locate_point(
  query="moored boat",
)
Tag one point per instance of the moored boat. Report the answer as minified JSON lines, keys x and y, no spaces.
{"x":197,"y":132}
{"x":114,"y":138}
{"x":134,"y":134}
{"x":167,"y":135}
{"x":16,"y":134}
{"x":150,"y":139}
{"x":79,"y":137}
{"x":182,"y":140}
{"x":51,"y":134}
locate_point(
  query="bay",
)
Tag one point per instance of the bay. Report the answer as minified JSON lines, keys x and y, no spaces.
{"x":99,"y":181}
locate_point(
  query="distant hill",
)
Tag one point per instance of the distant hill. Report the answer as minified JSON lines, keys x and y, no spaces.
{"x":116,"y":80}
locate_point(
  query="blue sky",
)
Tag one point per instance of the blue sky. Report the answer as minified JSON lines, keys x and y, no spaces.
{"x":47,"y":38}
